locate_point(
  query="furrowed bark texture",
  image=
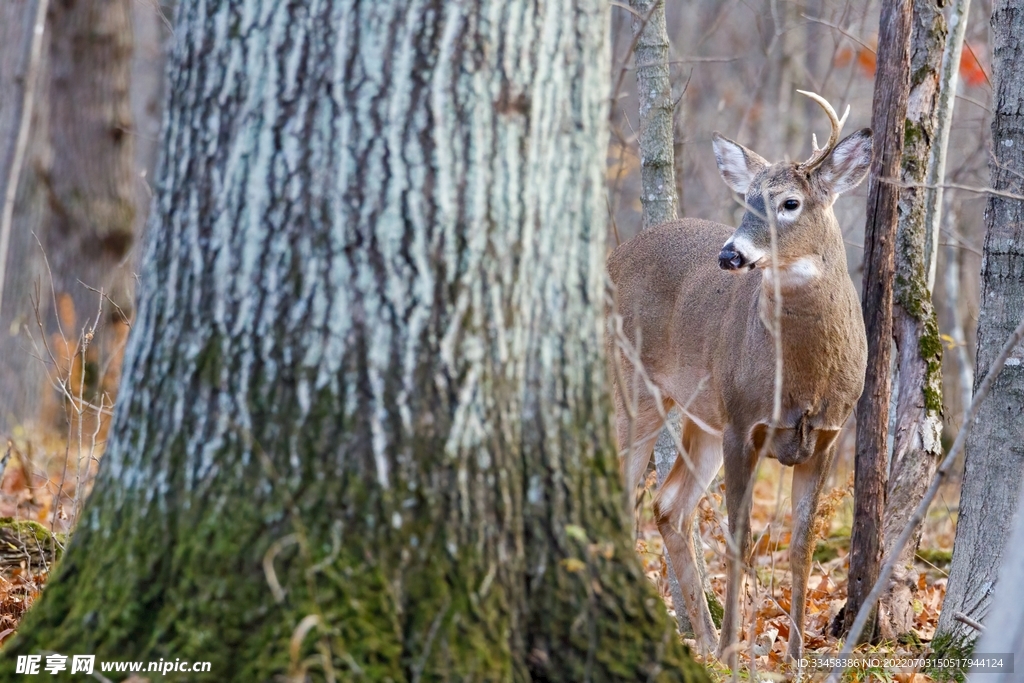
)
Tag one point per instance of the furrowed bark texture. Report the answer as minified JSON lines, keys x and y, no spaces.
{"x":654,"y":85}
{"x":994,"y":461}
{"x":363,"y":432}
{"x":90,"y":178}
{"x":1004,"y":627}
{"x":888,"y":114}
{"x":917,"y":442}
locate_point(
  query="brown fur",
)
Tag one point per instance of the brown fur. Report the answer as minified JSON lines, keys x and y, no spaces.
{"x":703,"y":336}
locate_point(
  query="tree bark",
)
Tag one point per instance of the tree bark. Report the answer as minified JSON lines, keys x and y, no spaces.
{"x":936,"y":176}
{"x":77,"y":206}
{"x":1004,"y":627}
{"x":994,"y":461}
{"x":889,"y":109}
{"x":21,"y":378}
{"x":654,"y":86}
{"x":917,"y":442}
{"x":660,"y":204}
{"x":364,"y":432}
{"x":91,"y":178}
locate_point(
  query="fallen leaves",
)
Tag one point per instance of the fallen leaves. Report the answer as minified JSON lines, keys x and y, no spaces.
{"x":768,"y":596}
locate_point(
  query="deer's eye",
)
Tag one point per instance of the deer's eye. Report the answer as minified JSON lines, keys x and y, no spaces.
{"x":791,"y":205}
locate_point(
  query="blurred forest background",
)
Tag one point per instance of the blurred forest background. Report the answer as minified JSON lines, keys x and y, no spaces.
{"x":78,"y":222}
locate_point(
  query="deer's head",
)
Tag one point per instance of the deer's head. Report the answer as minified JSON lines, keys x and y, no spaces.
{"x":796,"y":197}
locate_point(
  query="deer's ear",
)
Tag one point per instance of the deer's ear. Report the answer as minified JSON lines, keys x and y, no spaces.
{"x":849,"y":162}
{"x":737,"y":164}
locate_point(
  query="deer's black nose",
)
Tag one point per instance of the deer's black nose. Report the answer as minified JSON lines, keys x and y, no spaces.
{"x":730,"y":259}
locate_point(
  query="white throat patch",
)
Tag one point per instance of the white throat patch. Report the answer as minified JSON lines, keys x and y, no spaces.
{"x":796,"y":273}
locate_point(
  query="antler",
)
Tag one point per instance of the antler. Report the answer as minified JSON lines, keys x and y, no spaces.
{"x":820,"y":153}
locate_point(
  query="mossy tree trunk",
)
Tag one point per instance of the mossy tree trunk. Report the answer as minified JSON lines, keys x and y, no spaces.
{"x":888,"y":117}
{"x":917,"y":440}
{"x":363,"y":432}
{"x":994,"y":460}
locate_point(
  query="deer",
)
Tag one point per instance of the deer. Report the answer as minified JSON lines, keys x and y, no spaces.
{"x":698,"y":302}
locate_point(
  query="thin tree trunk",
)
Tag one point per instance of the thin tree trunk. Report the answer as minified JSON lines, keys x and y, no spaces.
{"x":21,"y":377}
{"x":660,"y":204}
{"x":364,"y":429}
{"x":994,"y":461}
{"x":944,"y":116}
{"x":892,"y":83}
{"x":963,"y":364}
{"x":151,"y":32}
{"x":91,"y":179}
{"x":654,"y":86}
{"x":917,"y":442}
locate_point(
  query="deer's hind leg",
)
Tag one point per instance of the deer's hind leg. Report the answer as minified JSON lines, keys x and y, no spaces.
{"x":638,"y":422}
{"x":674,"y":509}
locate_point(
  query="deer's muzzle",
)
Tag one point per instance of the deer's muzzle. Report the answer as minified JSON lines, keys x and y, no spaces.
{"x":730,"y":259}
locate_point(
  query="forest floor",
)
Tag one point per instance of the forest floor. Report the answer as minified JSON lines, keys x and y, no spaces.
{"x":767,"y":601}
{"x":44,"y":481}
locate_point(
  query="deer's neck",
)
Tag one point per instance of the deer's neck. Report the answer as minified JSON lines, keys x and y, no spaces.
{"x":815,"y":290}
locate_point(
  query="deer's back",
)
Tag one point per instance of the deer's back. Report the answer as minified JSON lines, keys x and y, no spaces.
{"x":677,"y":305}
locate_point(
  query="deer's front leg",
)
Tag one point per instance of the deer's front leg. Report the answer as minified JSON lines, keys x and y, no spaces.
{"x":808,"y":480}
{"x":739,"y":459}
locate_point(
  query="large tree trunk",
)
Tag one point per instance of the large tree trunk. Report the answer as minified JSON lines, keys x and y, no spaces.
{"x":917,"y":441}
{"x":892,"y":84}
{"x":994,"y":462}
{"x":364,"y":428}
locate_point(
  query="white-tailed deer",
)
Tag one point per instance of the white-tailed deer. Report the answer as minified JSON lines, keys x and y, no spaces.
{"x":699,"y":317}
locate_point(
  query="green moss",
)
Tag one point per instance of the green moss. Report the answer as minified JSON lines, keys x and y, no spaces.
{"x":939,"y":557}
{"x":209,"y":361}
{"x":716,"y":608}
{"x":915,"y":141}
{"x":29,"y":530}
{"x":910,"y":638}
{"x":949,"y":647}
{"x":930,"y":348}
{"x":929,"y":342}
{"x":912,"y":133}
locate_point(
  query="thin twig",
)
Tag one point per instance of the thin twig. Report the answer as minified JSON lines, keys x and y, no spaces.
{"x":1002,"y":194}
{"x":742,"y":524}
{"x":842,"y":30}
{"x":964,"y":619}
